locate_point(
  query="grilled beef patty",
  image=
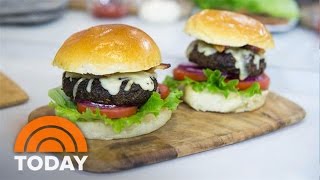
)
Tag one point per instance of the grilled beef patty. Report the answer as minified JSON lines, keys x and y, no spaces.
{"x":135,"y":96}
{"x":225,"y":62}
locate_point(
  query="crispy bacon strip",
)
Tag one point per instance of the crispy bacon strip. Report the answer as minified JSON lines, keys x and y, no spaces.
{"x":219,"y":48}
{"x":161,"y":66}
{"x":255,"y":49}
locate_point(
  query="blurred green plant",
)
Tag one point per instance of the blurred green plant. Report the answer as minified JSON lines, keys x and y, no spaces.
{"x":287,"y":9}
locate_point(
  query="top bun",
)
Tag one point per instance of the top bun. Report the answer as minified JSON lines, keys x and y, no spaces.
{"x":228,"y":29}
{"x":108,"y":49}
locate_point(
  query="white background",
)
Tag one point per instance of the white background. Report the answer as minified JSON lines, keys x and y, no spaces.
{"x":291,"y":153}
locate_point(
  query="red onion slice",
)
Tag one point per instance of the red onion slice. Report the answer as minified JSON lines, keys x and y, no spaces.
{"x":193,"y":68}
{"x":98,"y":105}
{"x":257,"y":78}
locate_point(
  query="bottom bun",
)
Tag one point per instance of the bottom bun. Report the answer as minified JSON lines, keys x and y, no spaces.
{"x":214,"y":102}
{"x":98,"y":130}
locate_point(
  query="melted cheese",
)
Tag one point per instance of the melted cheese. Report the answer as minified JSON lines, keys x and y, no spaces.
{"x":89,"y":85}
{"x":72,"y":75}
{"x":75,"y":87}
{"x":242,"y":57}
{"x":205,"y":48}
{"x":112,"y":84}
{"x":256,"y":60}
{"x":69,"y":75}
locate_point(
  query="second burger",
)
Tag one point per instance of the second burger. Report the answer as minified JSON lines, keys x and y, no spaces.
{"x":227,"y":70}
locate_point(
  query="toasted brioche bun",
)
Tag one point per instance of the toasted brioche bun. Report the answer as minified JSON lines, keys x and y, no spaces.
{"x":228,"y":29}
{"x":108,"y":49}
{"x":214,"y":102}
{"x":98,"y":130}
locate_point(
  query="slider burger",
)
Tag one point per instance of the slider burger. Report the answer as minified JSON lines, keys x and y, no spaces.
{"x":227,"y":74}
{"x":109,"y":87}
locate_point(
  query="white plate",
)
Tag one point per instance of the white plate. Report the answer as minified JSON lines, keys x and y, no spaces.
{"x":283,"y":27}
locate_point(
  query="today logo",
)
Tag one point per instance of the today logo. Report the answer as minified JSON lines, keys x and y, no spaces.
{"x":50,"y":134}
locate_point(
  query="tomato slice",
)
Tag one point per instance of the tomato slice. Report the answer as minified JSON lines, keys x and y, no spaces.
{"x":263,"y":80}
{"x":110,"y":112}
{"x":163,"y":90}
{"x":180,"y":74}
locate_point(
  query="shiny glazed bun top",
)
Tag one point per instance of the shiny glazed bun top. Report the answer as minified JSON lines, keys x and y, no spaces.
{"x":228,"y":29}
{"x":108,"y":49}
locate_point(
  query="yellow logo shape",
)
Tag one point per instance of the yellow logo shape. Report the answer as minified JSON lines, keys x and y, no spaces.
{"x":50,"y":134}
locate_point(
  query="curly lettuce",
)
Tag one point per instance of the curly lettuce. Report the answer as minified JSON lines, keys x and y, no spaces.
{"x":215,"y":83}
{"x":64,"y":107}
{"x":287,"y":9}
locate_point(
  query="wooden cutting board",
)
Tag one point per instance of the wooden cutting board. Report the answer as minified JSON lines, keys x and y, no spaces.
{"x":188,"y":132}
{"x":11,"y":93}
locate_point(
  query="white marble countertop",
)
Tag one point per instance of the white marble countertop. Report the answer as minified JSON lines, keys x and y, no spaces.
{"x":291,"y":153}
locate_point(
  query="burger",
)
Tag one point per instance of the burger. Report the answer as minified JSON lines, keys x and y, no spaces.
{"x":228,"y":63}
{"x":109,"y":85}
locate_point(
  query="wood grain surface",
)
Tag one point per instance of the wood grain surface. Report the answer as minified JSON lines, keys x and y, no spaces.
{"x":11,"y":93}
{"x":188,"y":132}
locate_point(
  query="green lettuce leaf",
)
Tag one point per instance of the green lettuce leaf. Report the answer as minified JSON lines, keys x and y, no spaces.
{"x":172,"y":83}
{"x":252,"y":90}
{"x":287,"y":9}
{"x":215,"y":84}
{"x":64,"y":107}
